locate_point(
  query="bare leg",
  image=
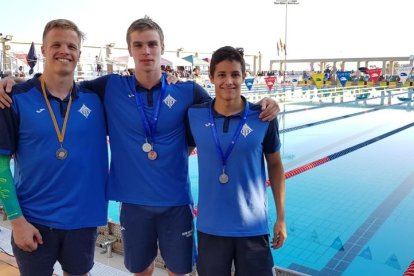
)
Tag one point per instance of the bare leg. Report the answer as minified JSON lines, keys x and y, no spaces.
{"x":170,"y":273}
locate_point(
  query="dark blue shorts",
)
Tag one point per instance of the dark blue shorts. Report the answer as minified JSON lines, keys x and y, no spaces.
{"x":73,"y":249}
{"x":251,"y":255}
{"x":172,"y":227}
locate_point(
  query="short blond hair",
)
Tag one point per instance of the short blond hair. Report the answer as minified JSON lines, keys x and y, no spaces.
{"x":63,"y":24}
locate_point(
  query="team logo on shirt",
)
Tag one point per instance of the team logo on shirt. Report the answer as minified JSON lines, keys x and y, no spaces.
{"x":40,"y":110}
{"x":85,"y":111}
{"x":245,"y":130}
{"x":169,"y":101}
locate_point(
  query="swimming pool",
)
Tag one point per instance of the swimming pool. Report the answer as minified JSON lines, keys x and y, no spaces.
{"x":353,"y":215}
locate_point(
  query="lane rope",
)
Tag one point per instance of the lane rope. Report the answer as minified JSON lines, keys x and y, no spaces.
{"x":341,"y":153}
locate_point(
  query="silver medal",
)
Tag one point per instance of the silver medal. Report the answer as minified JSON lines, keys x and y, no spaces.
{"x":146,"y":147}
{"x":223,"y":178}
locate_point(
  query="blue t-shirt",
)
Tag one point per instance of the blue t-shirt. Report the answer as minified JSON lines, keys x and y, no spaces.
{"x":133,"y":177}
{"x":62,"y":194}
{"x":239,"y":207}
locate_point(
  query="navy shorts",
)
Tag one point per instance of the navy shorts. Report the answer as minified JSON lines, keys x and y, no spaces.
{"x":73,"y":249}
{"x":172,"y":227}
{"x":251,"y":255}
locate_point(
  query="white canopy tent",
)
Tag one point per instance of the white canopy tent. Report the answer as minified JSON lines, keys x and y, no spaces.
{"x":176,"y":61}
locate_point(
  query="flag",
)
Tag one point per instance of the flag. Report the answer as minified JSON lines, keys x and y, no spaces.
{"x":403,"y":72}
{"x":318,"y":79}
{"x":281,"y":45}
{"x":374,"y":74}
{"x":31,"y":58}
{"x":249,"y":83}
{"x":343,"y":77}
{"x":270,"y":81}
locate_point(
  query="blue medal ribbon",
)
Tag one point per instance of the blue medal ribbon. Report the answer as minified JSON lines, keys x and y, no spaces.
{"x":224,"y":157}
{"x":150,"y":126}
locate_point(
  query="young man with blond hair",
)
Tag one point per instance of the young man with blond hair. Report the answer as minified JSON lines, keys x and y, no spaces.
{"x":57,"y":134}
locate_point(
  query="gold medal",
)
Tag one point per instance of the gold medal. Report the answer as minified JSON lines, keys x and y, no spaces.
{"x":61,"y":154}
{"x":152,"y":155}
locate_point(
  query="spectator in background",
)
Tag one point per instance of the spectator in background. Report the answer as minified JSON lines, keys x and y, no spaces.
{"x":19,"y":73}
{"x":98,"y":66}
{"x":196,"y":76}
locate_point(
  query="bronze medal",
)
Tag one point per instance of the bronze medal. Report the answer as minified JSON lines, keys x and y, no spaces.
{"x":152,"y":155}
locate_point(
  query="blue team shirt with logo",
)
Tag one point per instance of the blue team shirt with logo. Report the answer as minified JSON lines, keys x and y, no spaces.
{"x":239,"y":207}
{"x":133,"y":177}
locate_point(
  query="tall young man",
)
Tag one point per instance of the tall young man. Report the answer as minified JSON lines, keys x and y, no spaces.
{"x":57,"y":134}
{"x":232,"y":143}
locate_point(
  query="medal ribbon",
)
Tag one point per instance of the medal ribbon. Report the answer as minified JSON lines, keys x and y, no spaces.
{"x":60,"y":134}
{"x":236,"y":134}
{"x":150,"y":127}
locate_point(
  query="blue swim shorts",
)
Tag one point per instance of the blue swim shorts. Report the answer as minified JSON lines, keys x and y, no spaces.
{"x":172,"y":227}
{"x":250,"y":255}
{"x":73,"y":249}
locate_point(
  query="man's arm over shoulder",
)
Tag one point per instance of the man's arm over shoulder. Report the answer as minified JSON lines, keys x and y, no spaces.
{"x":6,"y":85}
{"x":97,"y":85}
{"x":200,"y":95}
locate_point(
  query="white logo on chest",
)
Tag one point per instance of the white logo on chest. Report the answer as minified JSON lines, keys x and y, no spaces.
{"x":245,"y":130}
{"x":169,"y":101}
{"x":85,"y":111}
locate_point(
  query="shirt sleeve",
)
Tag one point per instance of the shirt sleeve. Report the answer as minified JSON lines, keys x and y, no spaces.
{"x":189,"y":134}
{"x":271,"y":141}
{"x":9,"y":125}
{"x":200,"y":94}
